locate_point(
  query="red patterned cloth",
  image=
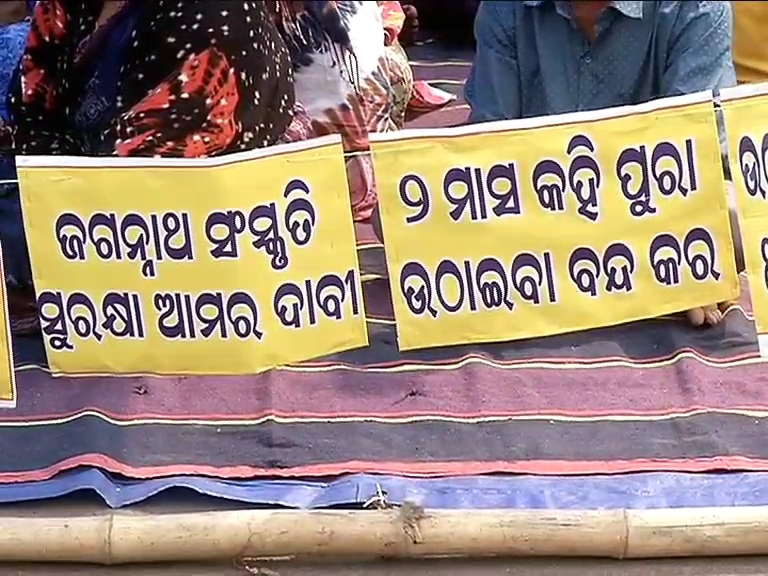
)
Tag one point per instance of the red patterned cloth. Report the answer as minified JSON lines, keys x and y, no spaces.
{"x":200,"y":78}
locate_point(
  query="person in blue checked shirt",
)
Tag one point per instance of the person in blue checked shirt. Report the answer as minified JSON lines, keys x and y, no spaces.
{"x":536,"y":58}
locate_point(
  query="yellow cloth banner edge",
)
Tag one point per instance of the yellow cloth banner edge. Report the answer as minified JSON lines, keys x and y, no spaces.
{"x":331,"y":142}
{"x":7,"y":403}
{"x":552,"y":121}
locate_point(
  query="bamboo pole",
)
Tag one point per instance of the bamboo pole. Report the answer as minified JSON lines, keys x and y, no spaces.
{"x":121,"y":537}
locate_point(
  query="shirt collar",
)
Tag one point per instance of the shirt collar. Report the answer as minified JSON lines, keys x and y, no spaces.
{"x":630,"y":9}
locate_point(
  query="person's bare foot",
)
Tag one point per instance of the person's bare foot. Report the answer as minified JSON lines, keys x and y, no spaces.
{"x":710,"y":315}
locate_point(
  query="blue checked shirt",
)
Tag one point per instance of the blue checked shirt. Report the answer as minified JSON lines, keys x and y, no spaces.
{"x":532,"y":60}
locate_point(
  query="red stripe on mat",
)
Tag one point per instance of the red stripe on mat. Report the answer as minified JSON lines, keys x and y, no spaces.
{"x":420,"y":469}
{"x":289,"y":418}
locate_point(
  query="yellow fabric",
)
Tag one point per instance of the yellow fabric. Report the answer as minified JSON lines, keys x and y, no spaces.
{"x":750,"y":41}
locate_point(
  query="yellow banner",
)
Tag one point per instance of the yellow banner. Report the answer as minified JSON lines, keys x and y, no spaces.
{"x":7,"y":373}
{"x":230,"y":265}
{"x":745,"y":110}
{"x":535,"y":227}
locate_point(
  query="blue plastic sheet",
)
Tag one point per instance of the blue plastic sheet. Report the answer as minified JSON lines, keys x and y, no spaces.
{"x":634,"y":491}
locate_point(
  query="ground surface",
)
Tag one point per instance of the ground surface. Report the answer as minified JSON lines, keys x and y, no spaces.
{"x":694,"y":567}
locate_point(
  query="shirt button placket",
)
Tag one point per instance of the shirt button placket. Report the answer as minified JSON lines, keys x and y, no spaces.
{"x":583,"y":92}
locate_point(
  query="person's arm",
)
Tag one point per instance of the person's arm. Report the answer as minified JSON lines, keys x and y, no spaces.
{"x":493,"y":87}
{"x":700,"y":55}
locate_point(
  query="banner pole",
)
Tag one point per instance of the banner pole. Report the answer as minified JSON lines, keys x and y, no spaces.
{"x":130,"y":536}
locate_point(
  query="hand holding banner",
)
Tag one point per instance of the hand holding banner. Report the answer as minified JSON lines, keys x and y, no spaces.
{"x":536,"y":227}
{"x":229,"y":265}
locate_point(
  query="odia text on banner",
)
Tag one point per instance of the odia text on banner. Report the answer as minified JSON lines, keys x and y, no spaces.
{"x":230,"y":265}
{"x":536,"y":227}
{"x":746,"y":124}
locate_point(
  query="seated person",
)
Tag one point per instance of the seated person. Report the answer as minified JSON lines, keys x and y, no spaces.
{"x":397,"y":66}
{"x":14,"y":28}
{"x":350,"y":76}
{"x":160,"y":78}
{"x":532,"y":54}
{"x":111,"y":77}
{"x":750,"y":41}
{"x":409,"y":95}
{"x":337,"y":50}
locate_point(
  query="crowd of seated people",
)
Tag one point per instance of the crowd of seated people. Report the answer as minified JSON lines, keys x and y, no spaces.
{"x":193,"y":78}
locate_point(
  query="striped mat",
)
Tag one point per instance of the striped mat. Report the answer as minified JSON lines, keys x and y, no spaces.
{"x":652,"y":396}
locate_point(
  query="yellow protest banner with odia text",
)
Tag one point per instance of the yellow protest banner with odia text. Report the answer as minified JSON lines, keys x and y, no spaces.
{"x":230,"y":265}
{"x":7,"y":372}
{"x":536,"y":227}
{"x":745,"y":111}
